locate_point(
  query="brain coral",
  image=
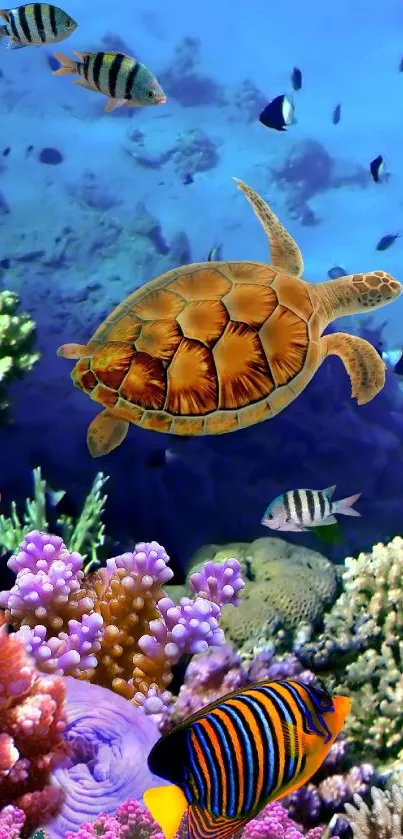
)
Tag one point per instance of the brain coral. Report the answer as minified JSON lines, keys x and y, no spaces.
{"x":286,"y":584}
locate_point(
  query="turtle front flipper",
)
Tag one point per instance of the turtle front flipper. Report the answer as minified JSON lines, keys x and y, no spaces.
{"x":72,"y":351}
{"x":105,"y":433}
{"x":284,"y":252}
{"x":362,"y":362}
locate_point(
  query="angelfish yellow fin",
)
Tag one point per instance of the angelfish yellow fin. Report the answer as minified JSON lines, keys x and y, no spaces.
{"x":167,"y":806}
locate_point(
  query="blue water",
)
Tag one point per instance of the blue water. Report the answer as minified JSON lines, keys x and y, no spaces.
{"x":94,"y":203}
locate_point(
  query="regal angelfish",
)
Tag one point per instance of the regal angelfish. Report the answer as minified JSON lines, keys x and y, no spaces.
{"x":35,"y":24}
{"x":229,"y":760}
{"x":124,"y":80}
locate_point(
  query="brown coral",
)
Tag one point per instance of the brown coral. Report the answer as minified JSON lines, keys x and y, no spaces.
{"x":126,"y":606}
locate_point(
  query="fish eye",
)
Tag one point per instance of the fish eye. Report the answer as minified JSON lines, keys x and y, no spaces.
{"x":151,"y":94}
{"x":269,"y":515}
{"x":70,"y":23}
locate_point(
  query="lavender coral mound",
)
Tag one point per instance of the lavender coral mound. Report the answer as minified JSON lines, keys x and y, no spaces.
{"x":110,"y":741}
{"x":274,"y":823}
{"x":11,"y":822}
{"x":31,"y":735}
{"x":115,"y":627}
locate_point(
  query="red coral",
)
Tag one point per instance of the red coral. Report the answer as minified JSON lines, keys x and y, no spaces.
{"x":32,"y":721}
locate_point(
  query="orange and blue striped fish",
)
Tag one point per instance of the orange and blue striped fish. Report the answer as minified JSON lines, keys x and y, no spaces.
{"x":229,"y":760}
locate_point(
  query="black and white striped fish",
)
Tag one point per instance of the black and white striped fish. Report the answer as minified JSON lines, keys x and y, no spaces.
{"x":124,"y":80}
{"x":300,"y":509}
{"x":35,"y":24}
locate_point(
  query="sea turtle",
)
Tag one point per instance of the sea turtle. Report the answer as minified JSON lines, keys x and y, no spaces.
{"x":216,"y":346}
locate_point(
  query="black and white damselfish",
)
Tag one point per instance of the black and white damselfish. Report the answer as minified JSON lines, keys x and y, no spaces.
{"x":35,"y":24}
{"x":302,"y":509}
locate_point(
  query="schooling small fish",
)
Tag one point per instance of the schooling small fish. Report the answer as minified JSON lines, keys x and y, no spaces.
{"x":35,"y":24}
{"x":250,"y":747}
{"x":376,"y":167}
{"x":215,"y":254}
{"x":387,"y":241}
{"x":296,"y":78}
{"x":122,"y":79}
{"x":336,"y":116}
{"x":300,"y":509}
{"x":278,"y":114}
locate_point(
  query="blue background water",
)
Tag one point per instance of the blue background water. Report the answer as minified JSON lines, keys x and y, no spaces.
{"x":87,"y":217}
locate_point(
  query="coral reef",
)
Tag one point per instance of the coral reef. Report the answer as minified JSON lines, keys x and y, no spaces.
{"x":115,"y":626}
{"x":285,"y":587}
{"x":384,"y":820}
{"x":32,"y":723}
{"x":183,"y":82}
{"x":308,"y":170}
{"x":109,"y":741}
{"x":131,"y":821}
{"x":361,"y":650}
{"x":17,"y":335}
{"x":86,"y":534}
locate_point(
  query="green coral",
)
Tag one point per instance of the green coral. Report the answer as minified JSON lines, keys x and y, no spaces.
{"x":360,"y":650}
{"x":287,"y":587}
{"x":85,"y":535}
{"x":17,"y":333}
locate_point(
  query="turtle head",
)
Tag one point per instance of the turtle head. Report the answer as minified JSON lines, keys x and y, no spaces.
{"x":375,"y":289}
{"x":81,"y":374}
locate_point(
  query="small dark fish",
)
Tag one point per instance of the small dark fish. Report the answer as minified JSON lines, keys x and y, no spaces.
{"x":187,"y":178}
{"x":278,"y":114}
{"x":336,"y":114}
{"x":28,"y":150}
{"x":35,"y":24}
{"x":336,"y":272}
{"x":387,"y":241}
{"x":401,"y":66}
{"x":160,"y":458}
{"x":398,"y":368}
{"x":296,"y":78}
{"x":6,"y":151}
{"x":252,"y":746}
{"x":214,"y":254}
{"x":376,"y":168}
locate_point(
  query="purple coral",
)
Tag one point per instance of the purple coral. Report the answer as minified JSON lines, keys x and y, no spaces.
{"x":219,"y":582}
{"x":131,"y":821}
{"x":274,"y":823}
{"x":11,"y":822}
{"x":110,"y":742}
{"x":47,"y":576}
{"x":149,"y":560}
{"x":191,"y":627}
{"x":68,"y":651}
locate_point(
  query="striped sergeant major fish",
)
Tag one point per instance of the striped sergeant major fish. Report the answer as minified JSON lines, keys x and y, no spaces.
{"x":35,"y":24}
{"x":250,"y":747}
{"x":301,"y":509}
{"x":122,"y":79}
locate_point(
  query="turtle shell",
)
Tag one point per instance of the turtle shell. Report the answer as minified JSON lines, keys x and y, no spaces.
{"x":205,"y":349}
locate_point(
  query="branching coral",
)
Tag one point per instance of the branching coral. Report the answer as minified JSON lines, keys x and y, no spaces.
{"x":32,"y":724}
{"x":384,"y":820}
{"x":114,"y":627}
{"x":17,"y":332}
{"x":86,"y":534}
{"x":361,"y":647}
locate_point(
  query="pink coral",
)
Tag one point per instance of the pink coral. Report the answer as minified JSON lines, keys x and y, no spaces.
{"x":32,"y":723}
{"x":131,"y":821}
{"x":274,"y":823}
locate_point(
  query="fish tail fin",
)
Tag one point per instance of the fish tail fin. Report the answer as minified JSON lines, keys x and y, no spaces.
{"x":68,"y":66}
{"x":167,"y":805}
{"x":345,"y":505}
